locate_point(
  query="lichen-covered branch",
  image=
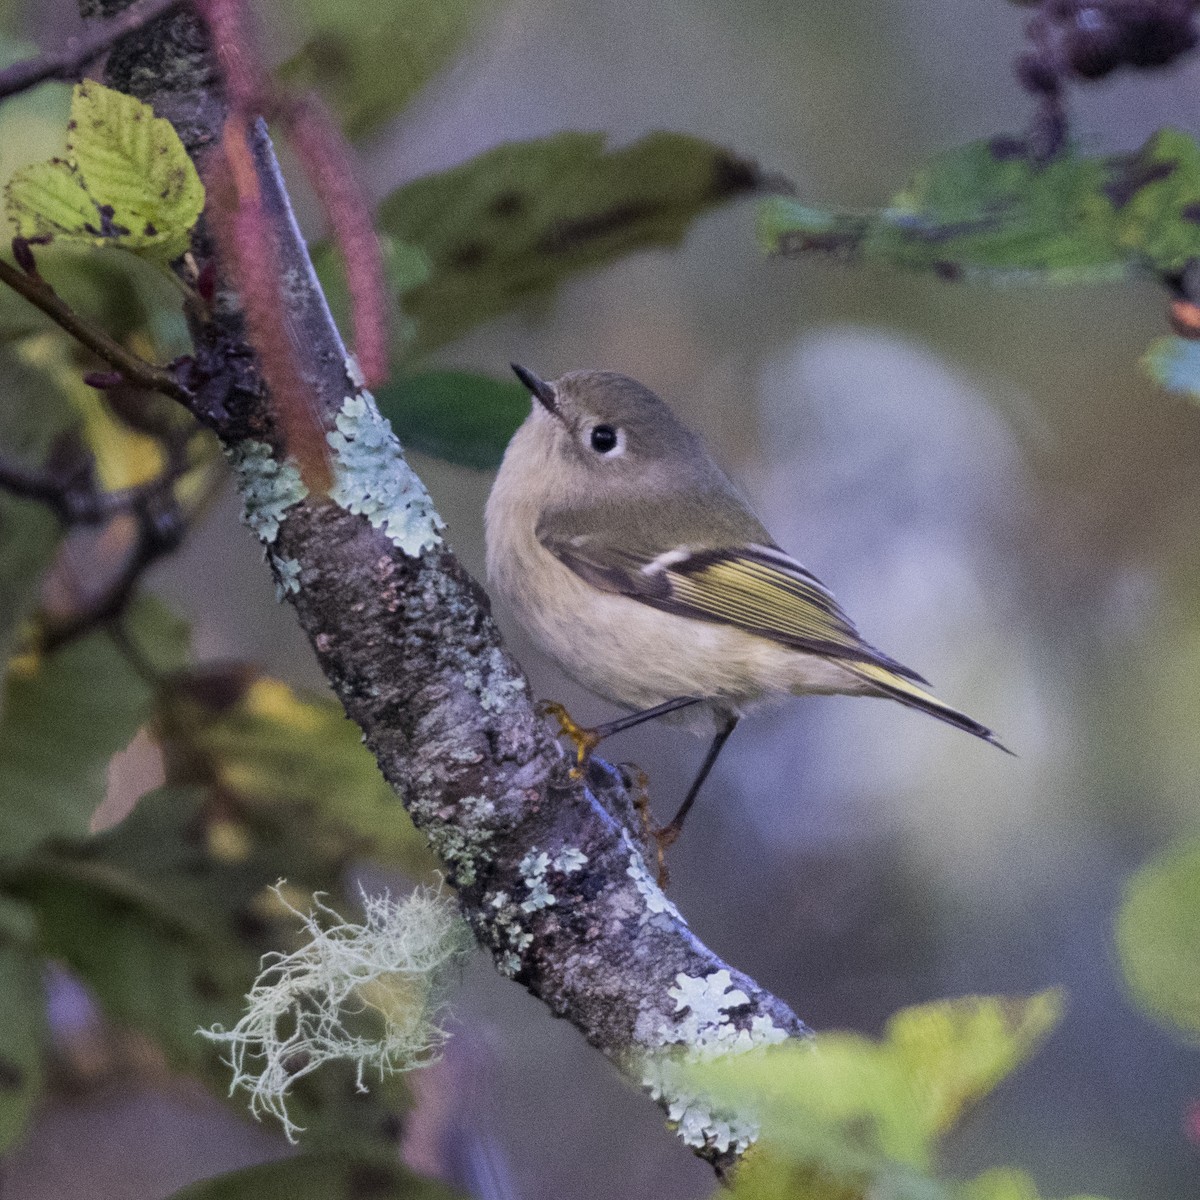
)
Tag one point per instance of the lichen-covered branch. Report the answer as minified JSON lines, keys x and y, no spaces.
{"x":547,"y":873}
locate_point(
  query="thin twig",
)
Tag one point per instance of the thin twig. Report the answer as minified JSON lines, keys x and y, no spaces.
{"x":68,"y":62}
{"x":137,"y":370}
{"x":161,"y":527}
{"x":72,"y":503}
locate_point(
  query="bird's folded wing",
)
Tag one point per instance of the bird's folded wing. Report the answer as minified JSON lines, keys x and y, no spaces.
{"x":758,"y":588}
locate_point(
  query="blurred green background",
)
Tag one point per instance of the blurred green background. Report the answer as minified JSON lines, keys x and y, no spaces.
{"x":991,"y":487}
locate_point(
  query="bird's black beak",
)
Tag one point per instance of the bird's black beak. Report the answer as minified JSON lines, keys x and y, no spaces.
{"x":542,"y":391}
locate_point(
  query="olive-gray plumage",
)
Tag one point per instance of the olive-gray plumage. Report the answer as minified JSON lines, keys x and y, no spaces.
{"x":634,"y":562}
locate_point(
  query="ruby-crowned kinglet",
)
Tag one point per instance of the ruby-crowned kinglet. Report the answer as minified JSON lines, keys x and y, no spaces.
{"x":633,"y":562}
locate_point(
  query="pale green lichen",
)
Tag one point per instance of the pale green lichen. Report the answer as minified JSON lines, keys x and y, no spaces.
{"x":511,"y":938}
{"x":461,"y":840}
{"x":372,"y":478}
{"x":501,"y":685}
{"x":569,"y":860}
{"x":705,"y":1032}
{"x":287,"y":571}
{"x":354,"y":375}
{"x":658,"y":910}
{"x":269,"y":487}
{"x":394,"y":965}
{"x":533,"y":868}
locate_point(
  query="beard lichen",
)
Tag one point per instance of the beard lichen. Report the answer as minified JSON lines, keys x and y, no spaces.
{"x":370,"y":993}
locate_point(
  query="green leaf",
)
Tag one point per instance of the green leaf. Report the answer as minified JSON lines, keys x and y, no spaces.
{"x":987,"y":209}
{"x":127,"y":181}
{"x":289,"y":757}
{"x":860,"y":1113}
{"x":955,"y":1052}
{"x":317,"y":1177}
{"x":65,"y":715}
{"x":1156,"y":935}
{"x":455,"y":415}
{"x":1157,"y":195}
{"x":369,"y":62}
{"x":517,"y":221}
{"x":21,"y":1030}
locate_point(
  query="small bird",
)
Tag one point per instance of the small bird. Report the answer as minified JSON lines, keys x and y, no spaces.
{"x":633,"y":562}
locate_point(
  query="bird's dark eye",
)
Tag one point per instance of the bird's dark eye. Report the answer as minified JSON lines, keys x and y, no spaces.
{"x":604,"y":439}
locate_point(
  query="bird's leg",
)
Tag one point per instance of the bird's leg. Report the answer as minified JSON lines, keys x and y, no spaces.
{"x":667,"y":835}
{"x":586,"y":740}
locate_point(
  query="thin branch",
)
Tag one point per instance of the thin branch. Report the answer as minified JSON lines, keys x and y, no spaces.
{"x":73,"y":503}
{"x":161,"y":527}
{"x":40,"y":294}
{"x":67,"y":63}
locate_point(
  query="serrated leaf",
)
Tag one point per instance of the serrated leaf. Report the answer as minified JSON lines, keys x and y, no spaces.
{"x":314,"y":1177}
{"x":455,"y":415}
{"x":985,"y":208}
{"x":1156,"y":935}
{"x":22,"y":1029}
{"x":517,"y":221}
{"x":64,"y":716}
{"x":368,"y":63}
{"x":126,"y":181}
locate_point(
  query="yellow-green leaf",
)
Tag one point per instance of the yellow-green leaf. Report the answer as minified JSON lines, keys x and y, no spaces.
{"x":126,"y":180}
{"x":1157,"y":938}
{"x":853,"y":1111}
{"x":956,"y":1051}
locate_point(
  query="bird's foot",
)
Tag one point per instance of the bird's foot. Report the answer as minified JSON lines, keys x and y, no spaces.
{"x":583,"y":739}
{"x":664,"y":838}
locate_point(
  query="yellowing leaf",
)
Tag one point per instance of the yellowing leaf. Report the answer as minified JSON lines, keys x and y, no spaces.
{"x":852,"y":1111}
{"x":956,"y":1051}
{"x":126,"y":181}
{"x":124,"y":458}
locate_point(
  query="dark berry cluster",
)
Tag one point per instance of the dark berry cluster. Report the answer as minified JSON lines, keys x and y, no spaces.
{"x":1089,"y":39}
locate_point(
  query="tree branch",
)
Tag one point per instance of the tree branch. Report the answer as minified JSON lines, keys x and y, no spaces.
{"x":40,"y":294}
{"x":68,"y":62}
{"x":548,"y":875}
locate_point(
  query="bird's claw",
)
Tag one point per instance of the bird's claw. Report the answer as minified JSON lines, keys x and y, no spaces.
{"x":664,"y":838}
{"x":583,"y":739}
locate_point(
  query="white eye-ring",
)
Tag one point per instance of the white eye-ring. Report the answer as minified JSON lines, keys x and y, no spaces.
{"x":606,"y":440}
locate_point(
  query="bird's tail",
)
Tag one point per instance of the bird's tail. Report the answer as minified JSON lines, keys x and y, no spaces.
{"x":887,"y":683}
